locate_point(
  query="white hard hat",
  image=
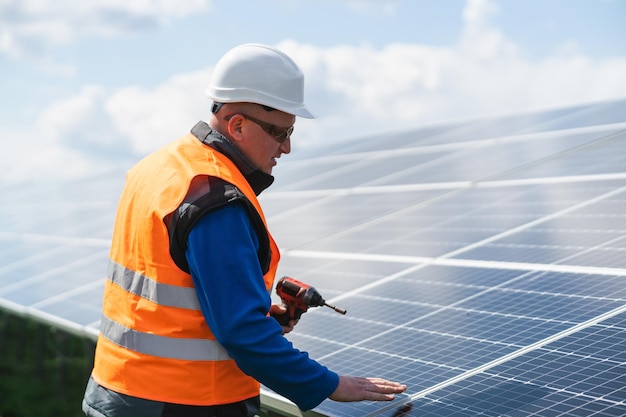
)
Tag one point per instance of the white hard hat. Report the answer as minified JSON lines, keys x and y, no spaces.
{"x":260,"y":74}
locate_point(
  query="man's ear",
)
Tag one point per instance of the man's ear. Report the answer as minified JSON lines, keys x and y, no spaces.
{"x":235,"y":125}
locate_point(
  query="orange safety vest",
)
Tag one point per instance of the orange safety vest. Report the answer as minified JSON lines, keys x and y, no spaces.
{"x":154,"y":342}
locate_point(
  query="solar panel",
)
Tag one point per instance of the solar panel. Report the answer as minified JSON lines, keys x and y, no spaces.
{"x":482,"y":262}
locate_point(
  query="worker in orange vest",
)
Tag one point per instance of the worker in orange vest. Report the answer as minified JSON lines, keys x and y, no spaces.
{"x":187,"y":326}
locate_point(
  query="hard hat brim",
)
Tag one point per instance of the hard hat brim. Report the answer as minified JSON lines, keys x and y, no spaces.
{"x":248,"y":96}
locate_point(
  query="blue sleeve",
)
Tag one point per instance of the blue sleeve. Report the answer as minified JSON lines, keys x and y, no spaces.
{"x":222,"y":256}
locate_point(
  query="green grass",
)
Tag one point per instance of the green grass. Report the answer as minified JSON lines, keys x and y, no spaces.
{"x":43,"y":371}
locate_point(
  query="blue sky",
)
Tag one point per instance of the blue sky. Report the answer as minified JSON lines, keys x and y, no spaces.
{"x":90,"y":85}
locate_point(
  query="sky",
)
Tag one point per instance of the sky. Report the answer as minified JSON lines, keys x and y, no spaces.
{"x":91,"y":86}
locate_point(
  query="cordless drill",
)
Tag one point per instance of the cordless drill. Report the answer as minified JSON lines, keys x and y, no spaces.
{"x":298,"y":297}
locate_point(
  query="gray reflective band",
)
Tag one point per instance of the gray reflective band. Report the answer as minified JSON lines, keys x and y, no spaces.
{"x":145,"y":287}
{"x":161,"y":346}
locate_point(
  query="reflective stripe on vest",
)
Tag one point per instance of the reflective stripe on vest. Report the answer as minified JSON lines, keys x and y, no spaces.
{"x":152,"y":344}
{"x":145,"y":287}
{"x":165,"y":347}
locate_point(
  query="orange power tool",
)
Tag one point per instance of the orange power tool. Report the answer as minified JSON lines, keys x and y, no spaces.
{"x":298,"y":297}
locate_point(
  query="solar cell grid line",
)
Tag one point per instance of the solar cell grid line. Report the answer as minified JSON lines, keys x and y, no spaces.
{"x":594,"y":225}
{"x":338,"y":193}
{"x":480,"y":291}
{"x":493,"y":265}
{"x":573,"y":147}
{"x":396,"y":213}
{"x":438,"y":155}
{"x":438,"y":371}
{"x":312,"y":195}
{"x":43,"y":273}
{"x":477,"y":184}
{"x":544,"y":219}
{"x":588,"y":379}
{"x":494,"y":161}
{"x":611,"y":250}
{"x":569,"y":179}
{"x":56,"y":239}
{"x":68,"y":294}
{"x":608,"y":288}
{"x":622,"y":273}
{"x":506,"y":358}
{"x":53,"y":320}
{"x":488,"y":395}
{"x":601,"y":113}
{"x":351,"y":161}
{"x":601,"y":157}
{"x":497,"y":125}
{"x":536,"y":222}
{"x":362,"y":169}
{"x":442,"y":308}
{"x":602,"y":343}
{"x":405,"y":139}
{"x":23,"y":259}
{"x":615,"y":272}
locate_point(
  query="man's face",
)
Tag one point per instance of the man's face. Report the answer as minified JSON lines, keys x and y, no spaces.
{"x":258,"y":145}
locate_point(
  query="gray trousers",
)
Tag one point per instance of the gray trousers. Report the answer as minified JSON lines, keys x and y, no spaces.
{"x":102,"y":402}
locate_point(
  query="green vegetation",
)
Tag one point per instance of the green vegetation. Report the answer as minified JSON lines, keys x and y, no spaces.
{"x":43,"y":370}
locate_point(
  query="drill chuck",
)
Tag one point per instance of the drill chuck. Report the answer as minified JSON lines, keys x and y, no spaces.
{"x":298,"y":297}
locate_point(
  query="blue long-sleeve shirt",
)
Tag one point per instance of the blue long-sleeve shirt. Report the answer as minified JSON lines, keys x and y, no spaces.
{"x":222,"y":256}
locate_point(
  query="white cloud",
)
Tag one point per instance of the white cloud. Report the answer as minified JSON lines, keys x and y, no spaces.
{"x":30,"y":27}
{"x":97,"y":129}
{"x":29,"y":157}
{"x":72,"y":138}
{"x":387,"y":7}
{"x":356,"y":90}
{"x":152,"y":118}
{"x":477,"y":13}
{"x":72,"y":121}
{"x":362,"y":90}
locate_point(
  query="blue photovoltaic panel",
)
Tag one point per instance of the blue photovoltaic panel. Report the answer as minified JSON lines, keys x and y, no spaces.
{"x":481,"y":262}
{"x":582,"y":374}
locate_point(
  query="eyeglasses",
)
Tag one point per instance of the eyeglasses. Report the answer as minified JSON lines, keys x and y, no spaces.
{"x":280,"y":134}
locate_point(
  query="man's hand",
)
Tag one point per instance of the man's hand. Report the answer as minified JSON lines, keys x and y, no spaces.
{"x":279,"y":310}
{"x":352,"y":388}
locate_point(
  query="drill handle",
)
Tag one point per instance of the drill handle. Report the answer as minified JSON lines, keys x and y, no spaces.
{"x":292,"y":313}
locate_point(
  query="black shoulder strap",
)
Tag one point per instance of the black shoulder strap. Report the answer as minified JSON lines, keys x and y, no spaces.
{"x":207,"y":194}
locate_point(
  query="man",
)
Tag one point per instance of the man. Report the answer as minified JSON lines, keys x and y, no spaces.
{"x":187,"y":326}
